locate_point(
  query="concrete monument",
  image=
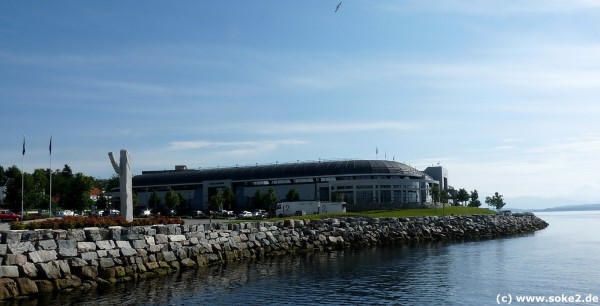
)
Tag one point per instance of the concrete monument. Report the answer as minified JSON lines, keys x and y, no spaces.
{"x":123,"y":169}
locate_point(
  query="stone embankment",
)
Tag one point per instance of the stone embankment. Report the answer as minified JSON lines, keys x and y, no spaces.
{"x":41,"y":261}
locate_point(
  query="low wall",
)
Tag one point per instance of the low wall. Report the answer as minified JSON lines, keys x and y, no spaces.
{"x":41,"y":261}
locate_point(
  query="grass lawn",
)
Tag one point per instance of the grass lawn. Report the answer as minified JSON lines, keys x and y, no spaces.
{"x":400,"y":213}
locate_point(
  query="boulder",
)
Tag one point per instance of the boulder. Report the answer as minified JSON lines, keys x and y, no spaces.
{"x":8,"y":288}
{"x":26,"y":286}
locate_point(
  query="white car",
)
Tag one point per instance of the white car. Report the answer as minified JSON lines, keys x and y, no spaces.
{"x":65,"y":213}
{"x":245,"y":215}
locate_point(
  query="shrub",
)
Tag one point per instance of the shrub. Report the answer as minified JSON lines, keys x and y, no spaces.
{"x":81,"y":222}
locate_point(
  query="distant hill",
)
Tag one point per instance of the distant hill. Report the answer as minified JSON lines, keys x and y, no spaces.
{"x":570,"y":208}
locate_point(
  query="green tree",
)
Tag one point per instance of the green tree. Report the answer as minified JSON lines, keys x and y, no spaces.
{"x":2,"y":175}
{"x":13,"y":192}
{"x":462,"y":196}
{"x":444,"y":196}
{"x":435,"y":193}
{"x":474,"y":199}
{"x":216,"y":201}
{"x":111,"y":183}
{"x":102,"y":202}
{"x":292,"y":195}
{"x":77,"y":197}
{"x":67,"y":172}
{"x":337,"y":197}
{"x":229,"y":198}
{"x":271,"y":201}
{"x":495,"y":201}
{"x":35,"y":198}
{"x":154,"y":200}
{"x":171,"y":199}
{"x":182,"y":201}
{"x":259,"y":199}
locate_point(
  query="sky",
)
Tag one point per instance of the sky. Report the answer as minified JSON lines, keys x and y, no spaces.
{"x":504,"y":94}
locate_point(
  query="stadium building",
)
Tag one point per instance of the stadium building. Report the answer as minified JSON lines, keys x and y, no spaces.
{"x":360,"y":183}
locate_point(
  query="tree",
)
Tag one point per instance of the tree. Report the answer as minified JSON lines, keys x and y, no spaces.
{"x":496,"y":201}
{"x":259,"y":199}
{"x":336,"y":197}
{"x":474,"y":199}
{"x":112,"y":183}
{"x":102,"y":202}
{"x":462,"y":196}
{"x":292,"y":195}
{"x":171,"y":199}
{"x":444,"y":196}
{"x":229,"y":198}
{"x":435,"y":193}
{"x":67,"y":172}
{"x":216,"y":201}
{"x":271,"y":200}
{"x":77,"y":196}
{"x":13,"y":192}
{"x":182,"y":201}
{"x":154,"y":200}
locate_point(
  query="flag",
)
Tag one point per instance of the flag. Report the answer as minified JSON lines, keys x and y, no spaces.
{"x":23,"y":145}
{"x":50,"y":147}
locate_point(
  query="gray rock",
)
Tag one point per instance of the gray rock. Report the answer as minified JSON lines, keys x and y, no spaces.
{"x":9,"y":271}
{"x":128,"y":252}
{"x":28,"y":269}
{"x":89,"y":256}
{"x":20,"y":247}
{"x":48,"y":270}
{"x":77,"y":262}
{"x":139,"y":244}
{"x":169,"y":256}
{"x":67,"y":248}
{"x":42,"y":256}
{"x":105,"y":244}
{"x":49,"y":244}
{"x":76,"y":234}
{"x":106,"y":262}
{"x":15,"y":259}
{"x":83,"y":247}
{"x":123,"y":244}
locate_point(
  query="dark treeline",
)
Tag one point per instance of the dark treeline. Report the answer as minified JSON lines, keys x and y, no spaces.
{"x":69,"y":190}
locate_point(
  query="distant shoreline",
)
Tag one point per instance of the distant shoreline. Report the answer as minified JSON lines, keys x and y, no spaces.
{"x":585,"y":207}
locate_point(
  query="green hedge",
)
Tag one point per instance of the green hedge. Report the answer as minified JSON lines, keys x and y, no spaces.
{"x":81,"y":222}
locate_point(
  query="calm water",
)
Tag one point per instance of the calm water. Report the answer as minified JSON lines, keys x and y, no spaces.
{"x":562,"y":259}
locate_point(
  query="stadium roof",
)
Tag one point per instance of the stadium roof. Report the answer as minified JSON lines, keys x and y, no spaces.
{"x":277,"y":171}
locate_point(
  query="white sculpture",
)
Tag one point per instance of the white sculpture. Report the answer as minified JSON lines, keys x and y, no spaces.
{"x":123,"y":169}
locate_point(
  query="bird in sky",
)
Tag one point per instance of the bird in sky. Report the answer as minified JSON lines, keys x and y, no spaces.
{"x":338,"y":6}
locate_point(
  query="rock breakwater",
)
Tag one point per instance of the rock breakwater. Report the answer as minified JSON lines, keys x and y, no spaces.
{"x":40,"y":261}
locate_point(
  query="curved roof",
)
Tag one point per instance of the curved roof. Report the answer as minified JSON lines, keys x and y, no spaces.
{"x":263,"y":172}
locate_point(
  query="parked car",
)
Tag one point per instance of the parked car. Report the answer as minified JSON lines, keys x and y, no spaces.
{"x":260,"y":214}
{"x":65,"y":213}
{"x":245,"y":215}
{"x":9,"y":215}
{"x":111,"y":213}
{"x":227,"y":213}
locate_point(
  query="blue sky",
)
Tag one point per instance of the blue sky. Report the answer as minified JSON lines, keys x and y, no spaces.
{"x":502,"y":93}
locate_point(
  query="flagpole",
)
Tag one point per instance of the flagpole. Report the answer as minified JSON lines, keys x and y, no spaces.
{"x":23,"y":178}
{"x":50,"y":150}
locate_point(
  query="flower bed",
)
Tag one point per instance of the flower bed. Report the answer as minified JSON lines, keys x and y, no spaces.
{"x":81,"y":222}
